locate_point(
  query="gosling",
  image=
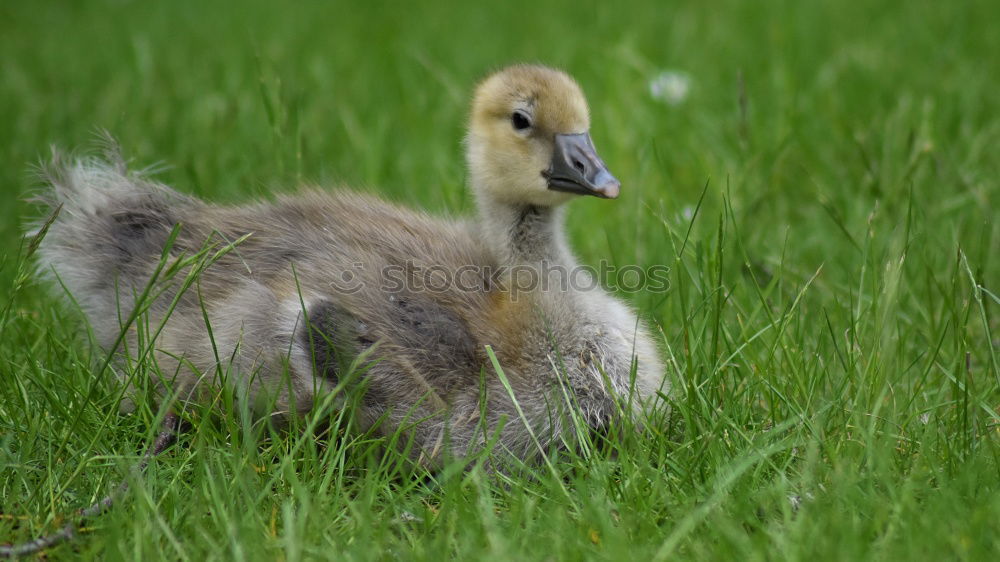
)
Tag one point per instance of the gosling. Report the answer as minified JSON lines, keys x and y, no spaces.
{"x":323,"y":293}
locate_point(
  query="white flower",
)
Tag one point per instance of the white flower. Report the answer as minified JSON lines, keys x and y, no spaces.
{"x":671,"y":86}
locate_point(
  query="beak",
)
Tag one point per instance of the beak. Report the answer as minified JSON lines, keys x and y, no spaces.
{"x":576,"y":168}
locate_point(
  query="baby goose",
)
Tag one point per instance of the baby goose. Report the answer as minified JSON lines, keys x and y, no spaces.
{"x":323,"y":278}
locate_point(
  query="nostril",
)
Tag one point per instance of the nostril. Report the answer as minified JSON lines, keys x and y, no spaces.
{"x":579,"y":166}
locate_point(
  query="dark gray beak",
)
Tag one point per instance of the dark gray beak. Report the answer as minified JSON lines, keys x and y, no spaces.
{"x":576,"y":168}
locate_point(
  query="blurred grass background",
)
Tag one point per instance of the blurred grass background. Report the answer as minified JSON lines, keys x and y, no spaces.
{"x":831,"y":325}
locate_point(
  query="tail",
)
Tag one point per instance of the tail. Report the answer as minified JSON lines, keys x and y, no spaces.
{"x":109,"y":228}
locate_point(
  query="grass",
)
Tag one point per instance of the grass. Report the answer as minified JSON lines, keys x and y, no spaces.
{"x":825,"y":197}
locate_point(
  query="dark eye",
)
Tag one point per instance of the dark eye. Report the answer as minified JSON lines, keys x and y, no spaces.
{"x":520,"y":120}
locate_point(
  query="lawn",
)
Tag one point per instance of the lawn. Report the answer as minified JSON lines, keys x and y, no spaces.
{"x":825,"y":194}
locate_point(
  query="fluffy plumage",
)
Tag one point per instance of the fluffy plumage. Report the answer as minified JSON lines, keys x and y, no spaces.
{"x":317,"y":282}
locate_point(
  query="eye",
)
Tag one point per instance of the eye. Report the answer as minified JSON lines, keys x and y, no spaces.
{"x":520,"y":120}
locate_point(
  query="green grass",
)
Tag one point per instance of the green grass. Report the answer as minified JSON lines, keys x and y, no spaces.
{"x":831,"y":327}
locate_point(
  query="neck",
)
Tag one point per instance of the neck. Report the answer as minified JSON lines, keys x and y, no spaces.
{"x":523,"y":234}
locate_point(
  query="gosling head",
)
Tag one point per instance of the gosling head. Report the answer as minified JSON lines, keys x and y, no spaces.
{"x":529,"y":143}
